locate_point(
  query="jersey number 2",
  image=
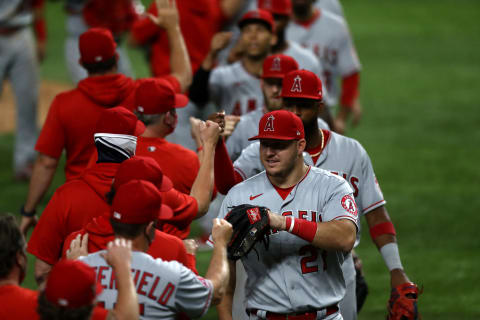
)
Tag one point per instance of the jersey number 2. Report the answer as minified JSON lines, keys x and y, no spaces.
{"x":311,"y":255}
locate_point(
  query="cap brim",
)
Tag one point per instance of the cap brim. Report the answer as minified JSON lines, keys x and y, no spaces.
{"x":273,"y":76}
{"x":302,"y":96}
{"x":181,"y":100}
{"x":165,"y":213}
{"x":273,"y":137}
{"x":139,"y":128}
{"x":246,"y":21}
{"x":166,"y":184}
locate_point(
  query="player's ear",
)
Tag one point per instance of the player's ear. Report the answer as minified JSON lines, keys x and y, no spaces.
{"x":301,"y":144}
{"x":273,"y":39}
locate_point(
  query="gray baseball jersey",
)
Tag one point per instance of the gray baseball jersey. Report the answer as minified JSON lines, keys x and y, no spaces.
{"x":163,"y":288}
{"x":246,"y":128}
{"x":293,"y":275}
{"x":333,"y":6}
{"x":330,"y":40}
{"x":235,"y":90}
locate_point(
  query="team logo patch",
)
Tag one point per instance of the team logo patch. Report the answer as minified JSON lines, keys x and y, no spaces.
{"x":349,"y":204}
{"x":253,"y":215}
{"x":151,"y":148}
{"x":297,"y":84}
{"x":269,"y":124}
{"x":276,"y":66}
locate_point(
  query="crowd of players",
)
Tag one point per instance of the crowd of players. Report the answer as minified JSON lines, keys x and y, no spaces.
{"x":141,"y":165}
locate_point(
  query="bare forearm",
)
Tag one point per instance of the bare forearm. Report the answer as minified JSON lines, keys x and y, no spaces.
{"x":202,"y":188}
{"x":43,"y":172}
{"x":218,"y":272}
{"x":127,"y":302}
{"x":179,"y":60}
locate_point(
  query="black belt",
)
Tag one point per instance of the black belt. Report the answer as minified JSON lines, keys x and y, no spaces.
{"x":305,"y":315}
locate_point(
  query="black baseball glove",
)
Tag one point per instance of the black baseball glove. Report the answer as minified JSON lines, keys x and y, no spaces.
{"x":250,"y":225}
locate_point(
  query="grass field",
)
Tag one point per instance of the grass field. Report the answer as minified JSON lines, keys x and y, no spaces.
{"x":420,"y":90}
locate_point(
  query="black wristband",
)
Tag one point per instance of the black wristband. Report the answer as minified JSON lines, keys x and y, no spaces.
{"x":27,"y":214}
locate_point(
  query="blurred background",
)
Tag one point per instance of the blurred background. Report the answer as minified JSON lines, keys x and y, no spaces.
{"x":420,"y":92}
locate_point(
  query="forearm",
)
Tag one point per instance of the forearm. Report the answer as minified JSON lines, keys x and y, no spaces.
{"x":330,"y":235}
{"x":218,"y":272}
{"x":202,"y":187}
{"x":43,"y":172}
{"x":127,"y":302}
{"x":179,"y":60}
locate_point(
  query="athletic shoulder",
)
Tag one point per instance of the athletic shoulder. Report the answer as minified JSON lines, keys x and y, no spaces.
{"x":347,"y":143}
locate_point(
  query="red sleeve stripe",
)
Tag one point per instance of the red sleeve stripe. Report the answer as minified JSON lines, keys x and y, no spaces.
{"x":374,"y":205}
{"x":241,"y":173}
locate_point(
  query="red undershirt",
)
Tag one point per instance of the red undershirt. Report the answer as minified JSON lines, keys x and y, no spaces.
{"x":283,"y":192}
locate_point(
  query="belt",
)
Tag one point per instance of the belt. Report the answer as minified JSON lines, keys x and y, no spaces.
{"x":307,"y":315}
{"x":6,"y":31}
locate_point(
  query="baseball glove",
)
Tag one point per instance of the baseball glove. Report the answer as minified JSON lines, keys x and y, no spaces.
{"x":403,"y":302}
{"x":250,"y":225}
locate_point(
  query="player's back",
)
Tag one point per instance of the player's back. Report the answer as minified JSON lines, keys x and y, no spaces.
{"x":163,"y":288}
{"x":235,"y":90}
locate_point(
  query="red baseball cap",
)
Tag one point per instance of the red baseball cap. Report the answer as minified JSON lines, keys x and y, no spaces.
{"x":119,"y":120}
{"x":280,"y":7}
{"x":72,"y":284}
{"x":302,"y":84}
{"x":154,"y":96}
{"x":278,"y":65}
{"x":280,"y":125}
{"x":142,"y":168}
{"x":96,"y":45}
{"x":255,"y":16}
{"x":137,"y":202}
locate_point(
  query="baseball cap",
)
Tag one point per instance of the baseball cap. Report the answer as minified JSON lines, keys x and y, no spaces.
{"x":119,"y":120}
{"x":71,"y":284}
{"x":137,"y":202}
{"x":96,"y":45}
{"x":280,"y":125}
{"x":259,"y":15}
{"x":154,"y":96}
{"x":302,"y":84}
{"x":280,"y":7}
{"x":143,"y":168}
{"x":278,"y":65}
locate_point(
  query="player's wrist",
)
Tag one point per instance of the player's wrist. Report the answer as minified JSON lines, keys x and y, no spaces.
{"x":302,"y":228}
{"x":28,"y":213}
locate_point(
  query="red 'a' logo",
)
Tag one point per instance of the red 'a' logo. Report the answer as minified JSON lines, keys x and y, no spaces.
{"x":276,"y":64}
{"x":269,"y":124}
{"x":297,"y":84}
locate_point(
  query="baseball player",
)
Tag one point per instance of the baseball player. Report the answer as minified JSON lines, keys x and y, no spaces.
{"x":18,"y":63}
{"x":236,"y":87}
{"x":327,"y":150}
{"x":163,"y":288}
{"x":116,"y":16}
{"x":78,"y":201}
{"x":327,"y":35}
{"x":314,"y":220}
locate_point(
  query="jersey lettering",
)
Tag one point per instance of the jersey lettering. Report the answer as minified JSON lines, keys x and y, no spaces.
{"x":167,"y":293}
{"x":354,"y":181}
{"x":101,"y":275}
{"x":269,"y":124}
{"x":311,"y":257}
{"x":297,"y":84}
{"x":143,"y":282}
{"x":237,"y":110}
{"x":252,"y":105}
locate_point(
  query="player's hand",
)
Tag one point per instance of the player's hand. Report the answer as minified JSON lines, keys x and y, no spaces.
{"x":356,"y":112}
{"x":230,"y":124}
{"x":209,"y":133}
{"x":218,"y":117}
{"x":220,"y":41}
{"x":78,"y":247}
{"x":221,"y":232}
{"x":26,"y":223}
{"x":191,"y":245}
{"x":167,"y":14}
{"x":276,"y":221}
{"x":236,"y":53}
{"x":119,"y":253}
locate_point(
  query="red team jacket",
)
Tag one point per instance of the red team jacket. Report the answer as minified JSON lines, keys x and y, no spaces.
{"x":164,"y":246}
{"x":72,"y":206}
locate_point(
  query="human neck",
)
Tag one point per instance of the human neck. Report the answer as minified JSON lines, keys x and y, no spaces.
{"x":293,"y":177}
{"x":154,"y":131}
{"x":253,"y":66}
{"x":140,"y":243}
{"x":12,"y":278}
{"x":307,"y":16}
{"x":281,"y":44}
{"x":313,"y":137}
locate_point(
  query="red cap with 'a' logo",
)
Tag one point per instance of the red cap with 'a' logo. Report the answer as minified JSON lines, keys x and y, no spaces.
{"x":302,"y":84}
{"x":277,"y":66}
{"x":257,"y":16}
{"x":280,"y":125}
{"x":280,"y":7}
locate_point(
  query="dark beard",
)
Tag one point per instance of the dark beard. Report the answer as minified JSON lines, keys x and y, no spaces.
{"x":301,"y":11}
